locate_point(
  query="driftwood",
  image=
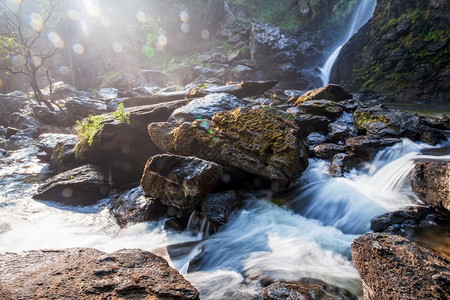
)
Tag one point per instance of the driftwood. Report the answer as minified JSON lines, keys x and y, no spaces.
{"x":240,"y":90}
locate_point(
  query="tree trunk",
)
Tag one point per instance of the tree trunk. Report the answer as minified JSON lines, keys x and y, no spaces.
{"x":37,"y":92}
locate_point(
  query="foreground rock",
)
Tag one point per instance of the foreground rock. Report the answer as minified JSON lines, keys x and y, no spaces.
{"x":431,"y":183}
{"x":81,"y":186}
{"x":252,"y":140}
{"x":331,"y":92}
{"x":307,"y":288}
{"x":179,"y":181}
{"x":82,"y":273}
{"x":393,"y":267}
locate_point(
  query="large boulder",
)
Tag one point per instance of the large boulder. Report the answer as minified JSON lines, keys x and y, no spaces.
{"x":306,"y":288}
{"x":218,"y":207}
{"x":308,"y":123}
{"x":179,"y":181}
{"x":403,"y":52}
{"x":124,"y":147}
{"x":81,"y":186}
{"x":431,"y":183}
{"x":384,"y":122}
{"x":392,"y":267}
{"x":327,"y":108}
{"x":83,"y":273}
{"x":252,"y":140}
{"x":79,"y":107}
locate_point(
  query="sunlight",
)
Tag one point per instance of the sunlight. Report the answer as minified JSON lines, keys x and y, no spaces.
{"x":91,"y":9}
{"x":78,"y":48}
{"x":162,"y":42}
{"x":74,"y":15}
{"x":106,"y":22}
{"x":37,"y":61}
{"x":117,"y":47}
{"x":56,"y":40}
{"x":184,"y":16}
{"x":64,"y":70}
{"x":18,"y":60}
{"x":141,"y":17}
{"x":205,"y":34}
{"x":37,"y":21}
{"x":185,"y":27}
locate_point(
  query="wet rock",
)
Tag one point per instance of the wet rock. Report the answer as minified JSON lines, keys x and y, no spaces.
{"x":327,"y":150}
{"x":179,"y":181}
{"x":83,"y":273}
{"x":393,"y":267}
{"x":440,"y":121}
{"x":307,"y":288}
{"x":10,"y":131}
{"x":28,"y":125}
{"x":206,"y":107}
{"x":331,"y":92}
{"x":122,"y":80}
{"x":338,"y":133}
{"x":366,"y":147}
{"x":123,"y":147}
{"x":46,"y":116}
{"x":342,"y":163}
{"x":315,"y":139}
{"x":393,"y":123}
{"x":431,"y":183}
{"x":327,"y":108}
{"x":405,"y":222}
{"x":9,"y":104}
{"x":252,"y":140}
{"x":48,"y":142}
{"x":134,"y":207}
{"x":79,"y":108}
{"x":81,"y":186}
{"x":63,"y":156}
{"x":308,"y":123}
{"x":219,"y":206}
{"x":62,"y":90}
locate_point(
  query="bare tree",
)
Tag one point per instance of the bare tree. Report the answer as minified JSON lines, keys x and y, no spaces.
{"x":27,"y":42}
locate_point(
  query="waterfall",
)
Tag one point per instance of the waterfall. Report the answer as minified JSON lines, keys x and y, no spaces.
{"x":362,"y":14}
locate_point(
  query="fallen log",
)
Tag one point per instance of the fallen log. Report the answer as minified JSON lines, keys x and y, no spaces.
{"x":240,"y":90}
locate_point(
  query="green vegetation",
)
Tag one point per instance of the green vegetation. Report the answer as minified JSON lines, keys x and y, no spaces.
{"x":278,"y":113}
{"x":121,"y":115}
{"x":87,"y":130}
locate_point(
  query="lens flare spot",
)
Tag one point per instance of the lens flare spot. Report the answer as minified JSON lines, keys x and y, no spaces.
{"x":106,"y":22}
{"x":140,"y":16}
{"x":162,"y":42}
{"x":18,"y":60}
{"x":73,"y":14}
{"x":148,"y":51}
{"x":91,"y":9}
{"x":37,"y":21}
{"x":185,"y":27}
{"x":205,"y":34}
{"x":37,"y":61}
{"x":64,"y":70}
{"x":67,"y":192}
{"x":184,"y":16}
{"x":117,"y":47}
{"x":78,"y":48}
{"x":56,"y":40}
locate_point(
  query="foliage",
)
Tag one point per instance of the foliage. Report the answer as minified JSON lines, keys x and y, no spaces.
{"x":278,"y":113}
{"x":87,"y":128}
{"x":121,"y":115}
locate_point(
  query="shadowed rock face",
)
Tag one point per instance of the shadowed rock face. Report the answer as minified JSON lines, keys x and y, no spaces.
{"x":84,"y":185}
{"x":393,"y":267}
{"x":179,"y":181}
{"x":82,"y":273}
{"x":403,"y":51}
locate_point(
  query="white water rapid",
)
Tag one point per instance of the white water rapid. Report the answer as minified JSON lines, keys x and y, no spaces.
{"x":360,"y":17}
{"x":310,"y":237}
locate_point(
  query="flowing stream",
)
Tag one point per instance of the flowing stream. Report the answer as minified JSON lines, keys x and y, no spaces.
{"x":360,"y":17}
{"x":308,"y":237}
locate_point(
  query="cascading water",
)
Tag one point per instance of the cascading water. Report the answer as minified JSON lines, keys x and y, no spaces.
{"x":362,"y":14}
{"x":262,"y":241}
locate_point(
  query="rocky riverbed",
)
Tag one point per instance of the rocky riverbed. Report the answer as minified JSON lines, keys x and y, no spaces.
{"x":196,"y":165}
